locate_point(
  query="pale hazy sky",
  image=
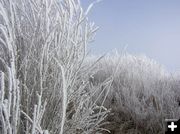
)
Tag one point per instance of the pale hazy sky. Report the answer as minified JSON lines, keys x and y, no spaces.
{"x":150,"y":27}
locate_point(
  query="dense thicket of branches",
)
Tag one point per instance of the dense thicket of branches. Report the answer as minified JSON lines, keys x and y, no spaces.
{"x":141,"y":96}
{"x":43,"y":80}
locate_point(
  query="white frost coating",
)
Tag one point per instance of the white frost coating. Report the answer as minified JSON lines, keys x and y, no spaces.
{"x":64,"y":86}
{"x":2,"y":87}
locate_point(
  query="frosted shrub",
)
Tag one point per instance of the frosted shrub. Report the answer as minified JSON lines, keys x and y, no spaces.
{"x":142,"y":94}
{"x":43,"y":80}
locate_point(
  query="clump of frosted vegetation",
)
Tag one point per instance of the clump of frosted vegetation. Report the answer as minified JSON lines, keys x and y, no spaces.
{"x":142,"y":94}
{"x":44,"y":83}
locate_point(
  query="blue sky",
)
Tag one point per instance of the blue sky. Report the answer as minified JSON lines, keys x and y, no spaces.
{"x":150,"y":27}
